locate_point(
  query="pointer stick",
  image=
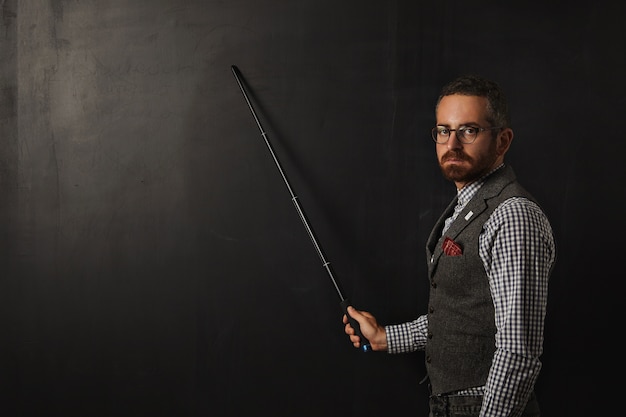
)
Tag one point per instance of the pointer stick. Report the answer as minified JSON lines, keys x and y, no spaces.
{"x":365,"y":344}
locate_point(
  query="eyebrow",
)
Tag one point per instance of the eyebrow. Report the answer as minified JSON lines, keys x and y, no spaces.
{"x":468,"y":124}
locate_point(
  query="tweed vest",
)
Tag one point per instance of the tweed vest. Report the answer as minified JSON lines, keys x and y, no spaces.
{"x":461,"y":317}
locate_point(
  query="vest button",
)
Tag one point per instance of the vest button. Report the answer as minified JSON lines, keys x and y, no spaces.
{"x":428,"y":359}
{"x":430,"y":335}
{"x":433,"y":284}
{"x":431,"y":309}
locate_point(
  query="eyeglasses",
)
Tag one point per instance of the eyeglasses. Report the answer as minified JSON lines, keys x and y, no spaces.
{"x":465,"y":134}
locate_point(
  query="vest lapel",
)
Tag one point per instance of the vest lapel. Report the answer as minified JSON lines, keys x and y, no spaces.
{"x":492,"y":187}
{"x":435,"y":233}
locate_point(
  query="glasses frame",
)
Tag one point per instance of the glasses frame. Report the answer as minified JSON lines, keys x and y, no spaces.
{"x":460,"y":133}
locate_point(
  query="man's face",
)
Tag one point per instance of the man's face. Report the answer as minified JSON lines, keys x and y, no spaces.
{"x":461,"y":162}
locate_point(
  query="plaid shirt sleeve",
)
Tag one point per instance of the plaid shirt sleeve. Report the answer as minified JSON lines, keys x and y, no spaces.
{"x":407,"y":337}
{"x":518,"y":251}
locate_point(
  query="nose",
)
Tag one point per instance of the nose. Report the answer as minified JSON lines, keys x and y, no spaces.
{"x":453,"y":141}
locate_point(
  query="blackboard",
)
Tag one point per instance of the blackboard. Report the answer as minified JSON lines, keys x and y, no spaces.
{"x":153,"y":263}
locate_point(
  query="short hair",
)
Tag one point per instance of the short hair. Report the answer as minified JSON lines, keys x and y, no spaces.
{"x":474,"y":85}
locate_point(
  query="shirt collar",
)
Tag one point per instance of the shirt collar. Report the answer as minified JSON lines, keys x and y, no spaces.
{"x":466,"y":193}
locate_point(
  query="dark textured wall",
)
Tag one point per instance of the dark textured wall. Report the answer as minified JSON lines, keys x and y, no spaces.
{"x":152,"y":261}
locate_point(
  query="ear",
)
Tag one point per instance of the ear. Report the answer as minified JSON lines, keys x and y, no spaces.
{"x":503,"y":141}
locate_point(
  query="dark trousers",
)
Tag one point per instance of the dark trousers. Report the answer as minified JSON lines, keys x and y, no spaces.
{"x":469,"y":406}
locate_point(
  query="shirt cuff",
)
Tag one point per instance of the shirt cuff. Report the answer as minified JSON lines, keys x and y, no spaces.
{"x":406,"y":337}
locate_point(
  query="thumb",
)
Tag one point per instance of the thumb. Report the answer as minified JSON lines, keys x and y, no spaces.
{"x":354,"y":313}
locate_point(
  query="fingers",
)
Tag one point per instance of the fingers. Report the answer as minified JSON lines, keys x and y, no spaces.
{"x":348,"y":329}
{"x":356,"y":340}
{"x":363,"y":318}
{"x":369,"y":327}
{"x":360,"y":316}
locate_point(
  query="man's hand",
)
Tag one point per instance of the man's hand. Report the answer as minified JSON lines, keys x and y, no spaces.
{"x":370,"y":329}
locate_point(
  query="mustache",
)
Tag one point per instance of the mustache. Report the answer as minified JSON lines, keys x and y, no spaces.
{"x":455,"y":154}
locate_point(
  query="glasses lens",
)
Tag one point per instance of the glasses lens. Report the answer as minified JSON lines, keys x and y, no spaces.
{"x":440,"y":134}
{"x":467,"y":134}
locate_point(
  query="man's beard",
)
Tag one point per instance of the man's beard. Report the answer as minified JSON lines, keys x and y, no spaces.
{"x":477,"y":167}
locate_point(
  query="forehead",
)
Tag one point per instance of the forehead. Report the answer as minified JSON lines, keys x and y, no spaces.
{"x":459,"y":109}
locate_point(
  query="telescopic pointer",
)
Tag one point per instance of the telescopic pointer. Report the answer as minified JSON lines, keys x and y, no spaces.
{"x":365,"y":344}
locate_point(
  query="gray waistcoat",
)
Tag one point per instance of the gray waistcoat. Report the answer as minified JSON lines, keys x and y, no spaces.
{"x":461,"y":318}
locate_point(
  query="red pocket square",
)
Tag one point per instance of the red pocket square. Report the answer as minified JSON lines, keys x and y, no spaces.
{"x":451,"y":248}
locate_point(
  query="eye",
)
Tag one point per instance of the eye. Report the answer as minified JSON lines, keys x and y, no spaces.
{"x":443,"y":131}
{"x":469,"y":130}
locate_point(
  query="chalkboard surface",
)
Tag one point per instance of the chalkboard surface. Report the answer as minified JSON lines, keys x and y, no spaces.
{"x":153,"y":263}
